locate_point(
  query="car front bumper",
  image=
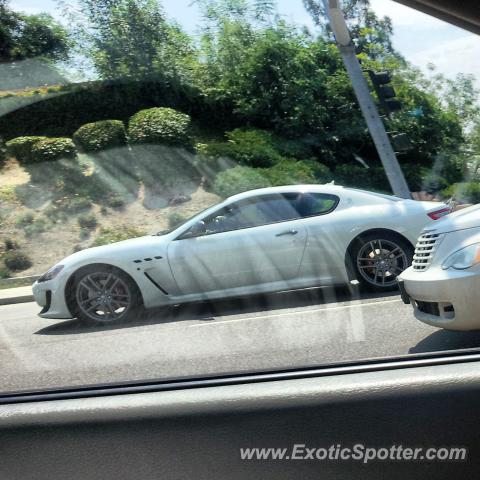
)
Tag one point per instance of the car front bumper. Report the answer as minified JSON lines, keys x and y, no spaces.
{"x":443,"y":298}
{"x":51,"y":297}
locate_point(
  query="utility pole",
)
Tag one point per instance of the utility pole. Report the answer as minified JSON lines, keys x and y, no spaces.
{"x":367,"y":104}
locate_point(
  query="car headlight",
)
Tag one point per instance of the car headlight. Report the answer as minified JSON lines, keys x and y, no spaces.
{"x":51,"y":274}
{"x":464,"y":258}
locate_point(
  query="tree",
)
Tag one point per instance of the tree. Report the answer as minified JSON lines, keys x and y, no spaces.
{"x":253,"y":12}
{"x":371,"y":34}
{"x":229,"y":28}
{"x":282,"y":82}
{"x":132,"y":39}
{"x":434,"y":110}
{"x":459,"y":95}
{"x":29,"y":47}
{"x":30,"y":36}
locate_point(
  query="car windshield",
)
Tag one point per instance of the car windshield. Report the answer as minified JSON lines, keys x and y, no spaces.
{"x":301,"y":161}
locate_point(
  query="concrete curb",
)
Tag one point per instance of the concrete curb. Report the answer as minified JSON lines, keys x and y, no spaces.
{"x":17,"y":299}
{"x":16,"y":295}
{"x":15,"y":282}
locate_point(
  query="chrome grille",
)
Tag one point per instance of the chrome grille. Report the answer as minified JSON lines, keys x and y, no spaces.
{"x":425,"y":250}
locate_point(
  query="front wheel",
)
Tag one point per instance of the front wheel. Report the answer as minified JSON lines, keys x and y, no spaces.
{"x":378,"y":259}
{"x":105,"y":295}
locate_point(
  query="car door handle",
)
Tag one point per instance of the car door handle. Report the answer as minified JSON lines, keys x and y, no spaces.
{"x":287,"y":232}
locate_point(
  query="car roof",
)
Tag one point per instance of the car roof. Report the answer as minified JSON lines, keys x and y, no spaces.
{"x":359,"y":195}
{"x":325,"y":188}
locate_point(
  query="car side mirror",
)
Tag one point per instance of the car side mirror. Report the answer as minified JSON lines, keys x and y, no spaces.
{"x":196,"y":230}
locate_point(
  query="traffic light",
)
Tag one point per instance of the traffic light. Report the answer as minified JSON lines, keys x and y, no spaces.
{"x":401,"y":142}
{"x":385,"y":92}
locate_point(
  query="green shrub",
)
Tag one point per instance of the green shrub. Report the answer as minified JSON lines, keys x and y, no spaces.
{"x":160,"y":125}
{"x":88,"y":222}
{"x":53,"y":149}
{"x":217,"y":150}
{"x":431,"y":183}
{"x":4,"y":272}
{"x":81,"y":103}
{"x":84,"y":233}
{"x":208,"y":165}
{"x":64,"y":206}
{"x":75,"y":204}
{"x":239,"y":179}
{"x":11,"y":244}
{"x":8,"y":193}
{"x":3,"y":151}
{"x":112,"y":235}
{"x":249,"y":147}
{"x":467,"y":192}
{"x":24,"y":220}
{"x":21,"y":148}
{"x":292,"y":148}
{"x":16,"y":260}
{"x":175,"y":219}
{"x":289,"y":172}
{"x":38,"y":226}
{"x":115,"y":201}
{"x":351,"y":175}
{"x":414,"y":175}
{"x":320,"y":171}
{"x":100,"y":135}
{"x":54,"y":89}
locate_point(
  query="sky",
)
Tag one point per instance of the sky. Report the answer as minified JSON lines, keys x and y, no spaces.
{"x":420,"y":38}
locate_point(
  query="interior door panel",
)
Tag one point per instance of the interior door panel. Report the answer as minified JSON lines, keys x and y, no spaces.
{"x":196,"y":433}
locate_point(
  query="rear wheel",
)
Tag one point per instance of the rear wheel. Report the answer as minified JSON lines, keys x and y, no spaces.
{"x":105,"y":295}
{"x":379,"y":258}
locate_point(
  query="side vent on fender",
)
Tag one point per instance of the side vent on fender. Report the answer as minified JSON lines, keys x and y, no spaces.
{"x":148,"y":259}
{"x":156,"y":284}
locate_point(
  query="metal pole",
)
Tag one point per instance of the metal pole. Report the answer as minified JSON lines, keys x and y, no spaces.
{"x":367,"y":104}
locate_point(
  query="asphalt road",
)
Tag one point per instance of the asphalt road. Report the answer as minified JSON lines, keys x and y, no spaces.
{"x":284,"y":330}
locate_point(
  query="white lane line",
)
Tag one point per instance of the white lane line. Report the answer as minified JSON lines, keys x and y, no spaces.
{"x":355,"y":329}
{"x":285,"y":314}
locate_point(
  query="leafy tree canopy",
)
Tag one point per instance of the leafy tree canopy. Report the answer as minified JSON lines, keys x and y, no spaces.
{"x":29,"y":36}
{"x":266,"y":73}
{"x":133,"y":39}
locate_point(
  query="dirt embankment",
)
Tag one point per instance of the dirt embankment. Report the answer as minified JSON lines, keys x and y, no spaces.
{"x":20,"y":200}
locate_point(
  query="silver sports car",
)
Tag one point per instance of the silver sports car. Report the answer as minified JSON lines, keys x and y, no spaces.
{"x":263,"y":240}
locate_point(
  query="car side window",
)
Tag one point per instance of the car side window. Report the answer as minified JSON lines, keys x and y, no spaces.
{"x":223,"y":220}
{"x":271,"y":209}
{"x":311,"y":204}
{"x":267,"y":209}
{"x":252,"y":212}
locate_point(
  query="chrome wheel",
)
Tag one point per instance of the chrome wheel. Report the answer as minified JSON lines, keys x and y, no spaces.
{"x":103,"y":297}
{"x":381,"y":261}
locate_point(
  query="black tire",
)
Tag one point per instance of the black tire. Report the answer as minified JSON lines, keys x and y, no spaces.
{"x":376,"y":259}
{"x":104,"y":295}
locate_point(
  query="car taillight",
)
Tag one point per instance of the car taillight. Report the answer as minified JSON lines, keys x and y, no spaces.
{"x":439,"y":213}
